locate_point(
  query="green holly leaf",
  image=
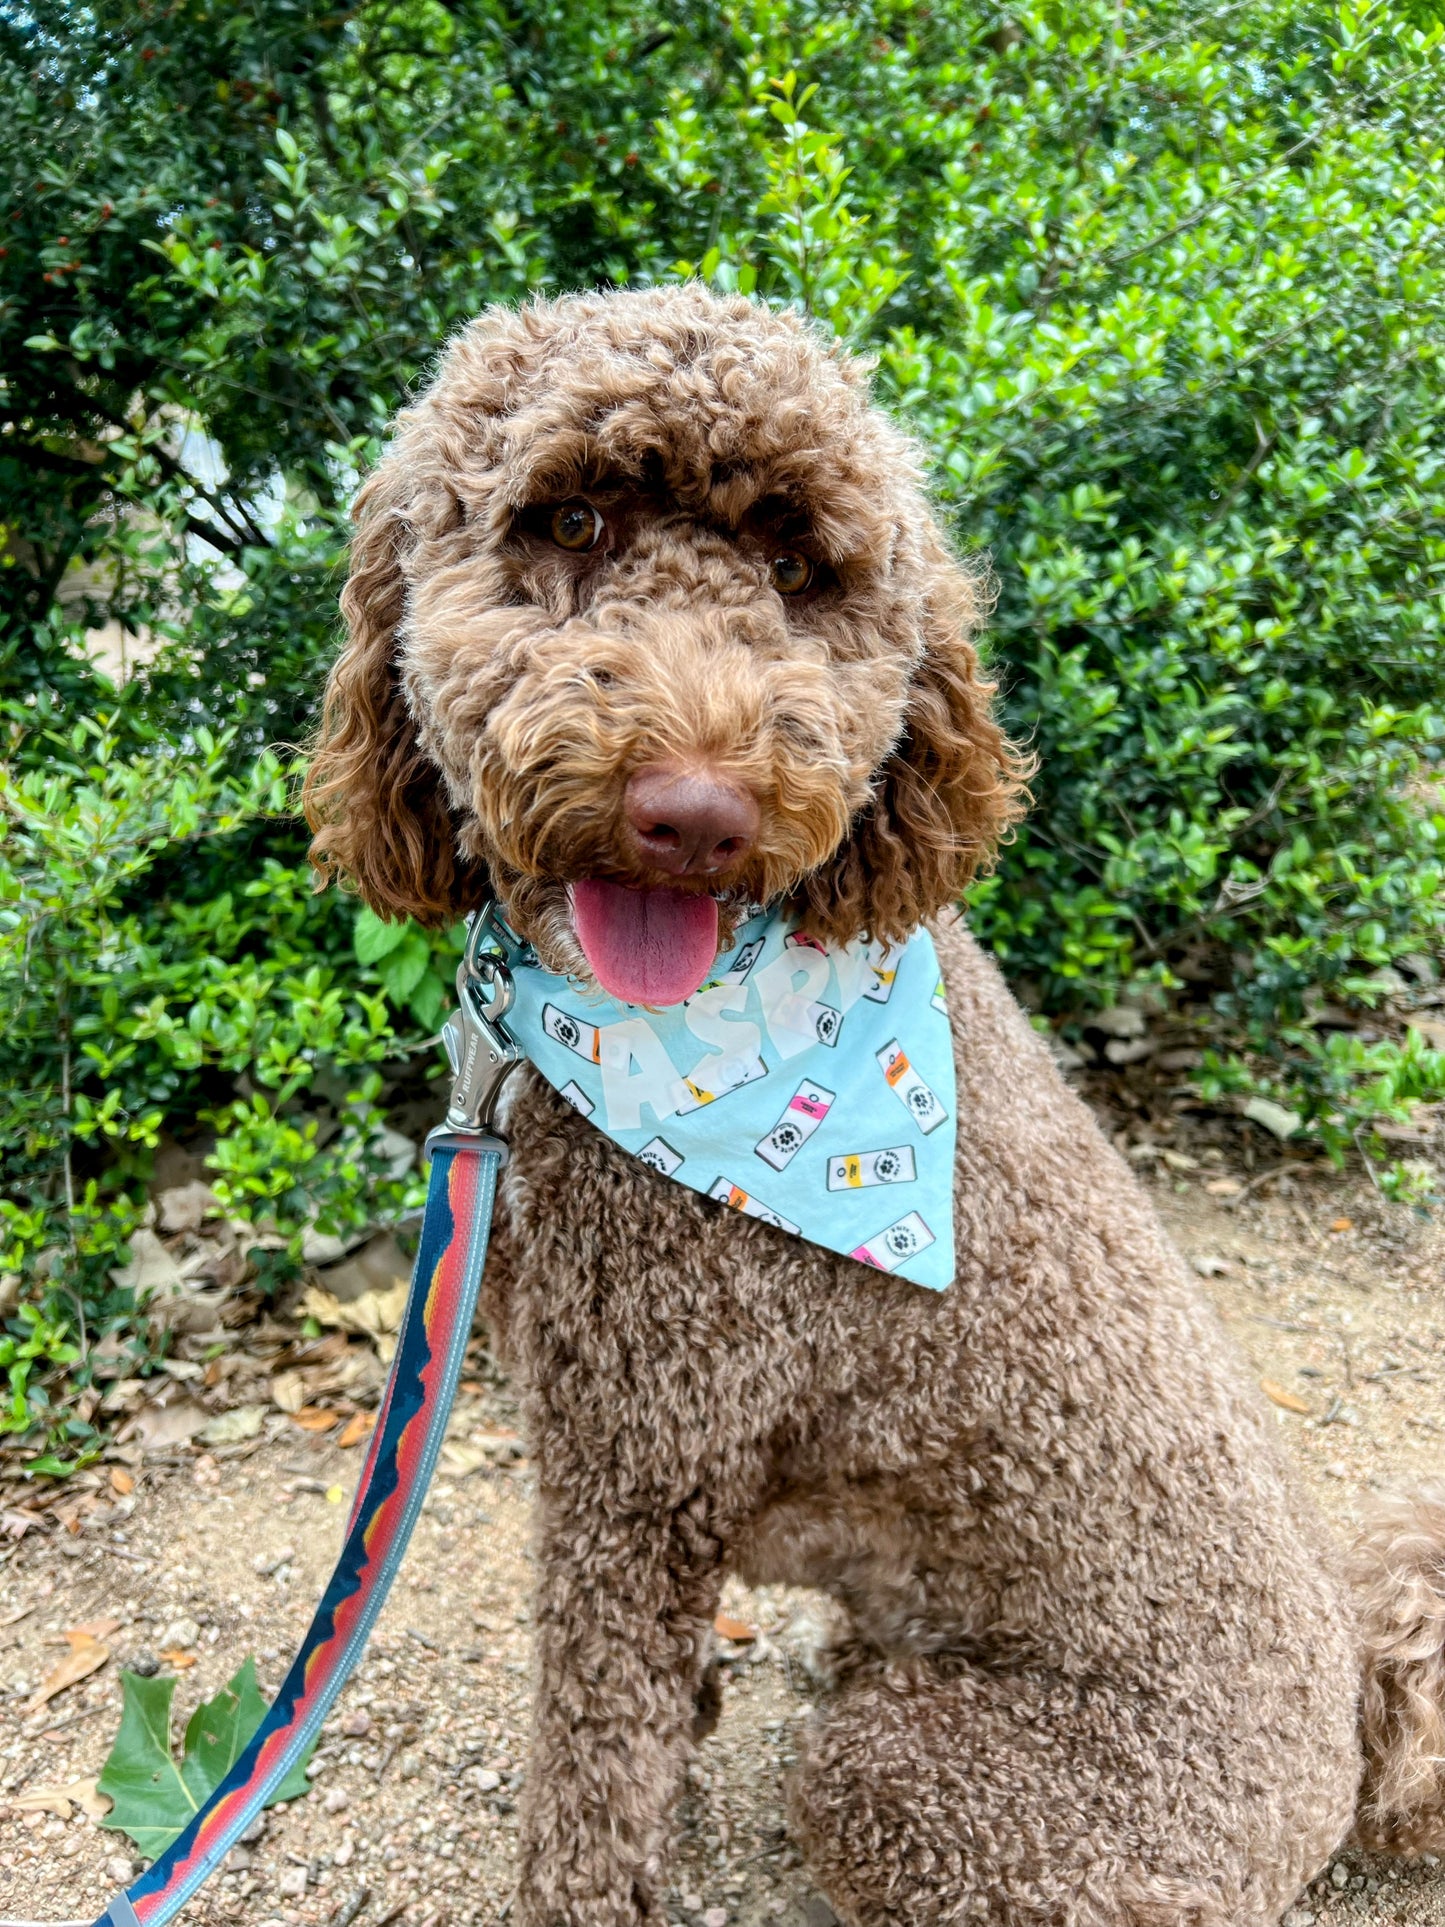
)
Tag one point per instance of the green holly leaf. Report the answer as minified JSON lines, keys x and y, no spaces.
{"x":404,"y":968}
{"x":155,"y":1798}
{"x":373,"y":939}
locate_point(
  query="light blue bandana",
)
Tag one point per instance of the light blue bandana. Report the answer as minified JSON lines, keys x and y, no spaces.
{"x":807,"y":1086}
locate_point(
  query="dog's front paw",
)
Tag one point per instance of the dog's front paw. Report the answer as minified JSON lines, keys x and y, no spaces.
{"x":541,"y":1902}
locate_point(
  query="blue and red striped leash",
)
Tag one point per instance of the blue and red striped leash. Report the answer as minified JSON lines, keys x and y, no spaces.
{"x":466,"y":1157}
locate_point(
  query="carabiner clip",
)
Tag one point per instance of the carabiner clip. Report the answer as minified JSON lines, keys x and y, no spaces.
{"x":479,"y":1046}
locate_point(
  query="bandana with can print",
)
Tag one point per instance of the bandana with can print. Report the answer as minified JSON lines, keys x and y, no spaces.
{"x":808,"y":1086}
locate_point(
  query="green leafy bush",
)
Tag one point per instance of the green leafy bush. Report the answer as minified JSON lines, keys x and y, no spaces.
{"x":1157,"y":289}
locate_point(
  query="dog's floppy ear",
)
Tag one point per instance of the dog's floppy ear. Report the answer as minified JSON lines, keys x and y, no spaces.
{"x":947,"y":794}
{"x":372,"y":797}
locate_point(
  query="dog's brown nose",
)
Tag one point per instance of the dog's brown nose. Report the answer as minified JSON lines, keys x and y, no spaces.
{"x":689,"y":822}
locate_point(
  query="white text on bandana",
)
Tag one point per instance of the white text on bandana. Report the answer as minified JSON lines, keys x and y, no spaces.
{"x":808,"y":1086}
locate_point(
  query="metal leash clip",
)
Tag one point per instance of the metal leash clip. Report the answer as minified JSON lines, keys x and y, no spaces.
{"x":479,"y":1046}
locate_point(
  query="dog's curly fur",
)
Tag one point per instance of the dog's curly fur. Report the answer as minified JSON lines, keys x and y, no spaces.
{"x":1101,"y":1667}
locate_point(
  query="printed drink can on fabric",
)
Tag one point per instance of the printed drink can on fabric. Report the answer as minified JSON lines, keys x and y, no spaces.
{"x":807,"y":1085}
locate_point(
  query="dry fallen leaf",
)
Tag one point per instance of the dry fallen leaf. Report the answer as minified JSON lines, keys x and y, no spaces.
{"x":288,"y":1390}
{"x":179,"y":1658}
{"x":376,"y":1314}
{"x":1224,"y":1187}
{"x":242,"y":1422}
{"x":313,"y":1418}
{"x":19,"y":1612}
{"x":160,"y":1426}
{"x":737,"y":1630}
{"x":1342,"y":1224}
{"x":1287,"y":1401}
{"x":62,"y":1800}
{"x":93,"y":1629}
{"x":86,"y":1656}
{"x":185,"y":1207}
{"x":358,"y":1427}
{"x":121,"y":1481}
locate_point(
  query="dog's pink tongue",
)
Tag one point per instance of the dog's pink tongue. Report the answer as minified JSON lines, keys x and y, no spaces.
{"x":645,"y":946}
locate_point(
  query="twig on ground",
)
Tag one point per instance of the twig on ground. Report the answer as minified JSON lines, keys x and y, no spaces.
{"x":59,"y":1726}
{"x":351,"y":1907}
{"x":1265,"y":1177}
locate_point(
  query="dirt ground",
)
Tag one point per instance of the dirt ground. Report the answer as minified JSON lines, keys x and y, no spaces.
{"x":1335,"y":1298}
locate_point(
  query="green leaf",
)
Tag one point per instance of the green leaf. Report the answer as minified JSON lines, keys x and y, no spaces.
{"x":374,"y":939}
{"x":428,"y":1001}
{"x":404,"y":969}
{"x":154,"y":1798}
{"x":218,"y":1732}
{"x":50,"y":1466}
{"x":151,"y":1801}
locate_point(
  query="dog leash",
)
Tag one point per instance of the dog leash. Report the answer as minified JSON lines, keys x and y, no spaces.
{"x":466,"y":1156}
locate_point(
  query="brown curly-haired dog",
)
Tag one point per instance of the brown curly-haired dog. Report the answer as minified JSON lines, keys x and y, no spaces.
{"x":646,"y":591}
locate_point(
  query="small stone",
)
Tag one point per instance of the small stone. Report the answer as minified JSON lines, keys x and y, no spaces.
{"x":1339,"y":1875}
{"x":292,"y":1884}
{"x":817,"y":1912}
{"x":1277,"y":1119}
{"x":256,"y":1831}
{"x":356,"y":1726}
{"x":342,"y":1855}
{"x":268,"y":1562}
{"x":145,"y":1664}
{"x":1122,"y":1021}
{"x":410,"y":1766}
{"x":1128,"y":1050}
{"x":181,"y":1635}
{"x":487,"y":1781}
{"x":337,"y":1800}
{"x":715,"y":1917}
{"x":118,"y":1869}
{"x":692,"y":1903}
{"x":1337,"y":1470}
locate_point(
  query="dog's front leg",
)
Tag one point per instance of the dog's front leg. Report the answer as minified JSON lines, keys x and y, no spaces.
{"x":625,"y":1600}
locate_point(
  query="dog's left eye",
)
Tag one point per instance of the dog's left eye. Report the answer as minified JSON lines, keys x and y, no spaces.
{"x":576,"y":526}
{"x":790,"y":572}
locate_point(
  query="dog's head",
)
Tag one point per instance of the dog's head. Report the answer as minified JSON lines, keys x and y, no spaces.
{"x":648,"y":619}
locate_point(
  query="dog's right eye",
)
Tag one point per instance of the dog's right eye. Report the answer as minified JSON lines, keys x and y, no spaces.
{"x":576,"y":526}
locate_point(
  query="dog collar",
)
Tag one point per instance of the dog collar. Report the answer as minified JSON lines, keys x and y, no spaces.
{"x":805,"y":1084}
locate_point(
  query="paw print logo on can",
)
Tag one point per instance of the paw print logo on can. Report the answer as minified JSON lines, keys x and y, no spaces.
{"x":909,"y":1088}
{"x":901,"y":1240}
